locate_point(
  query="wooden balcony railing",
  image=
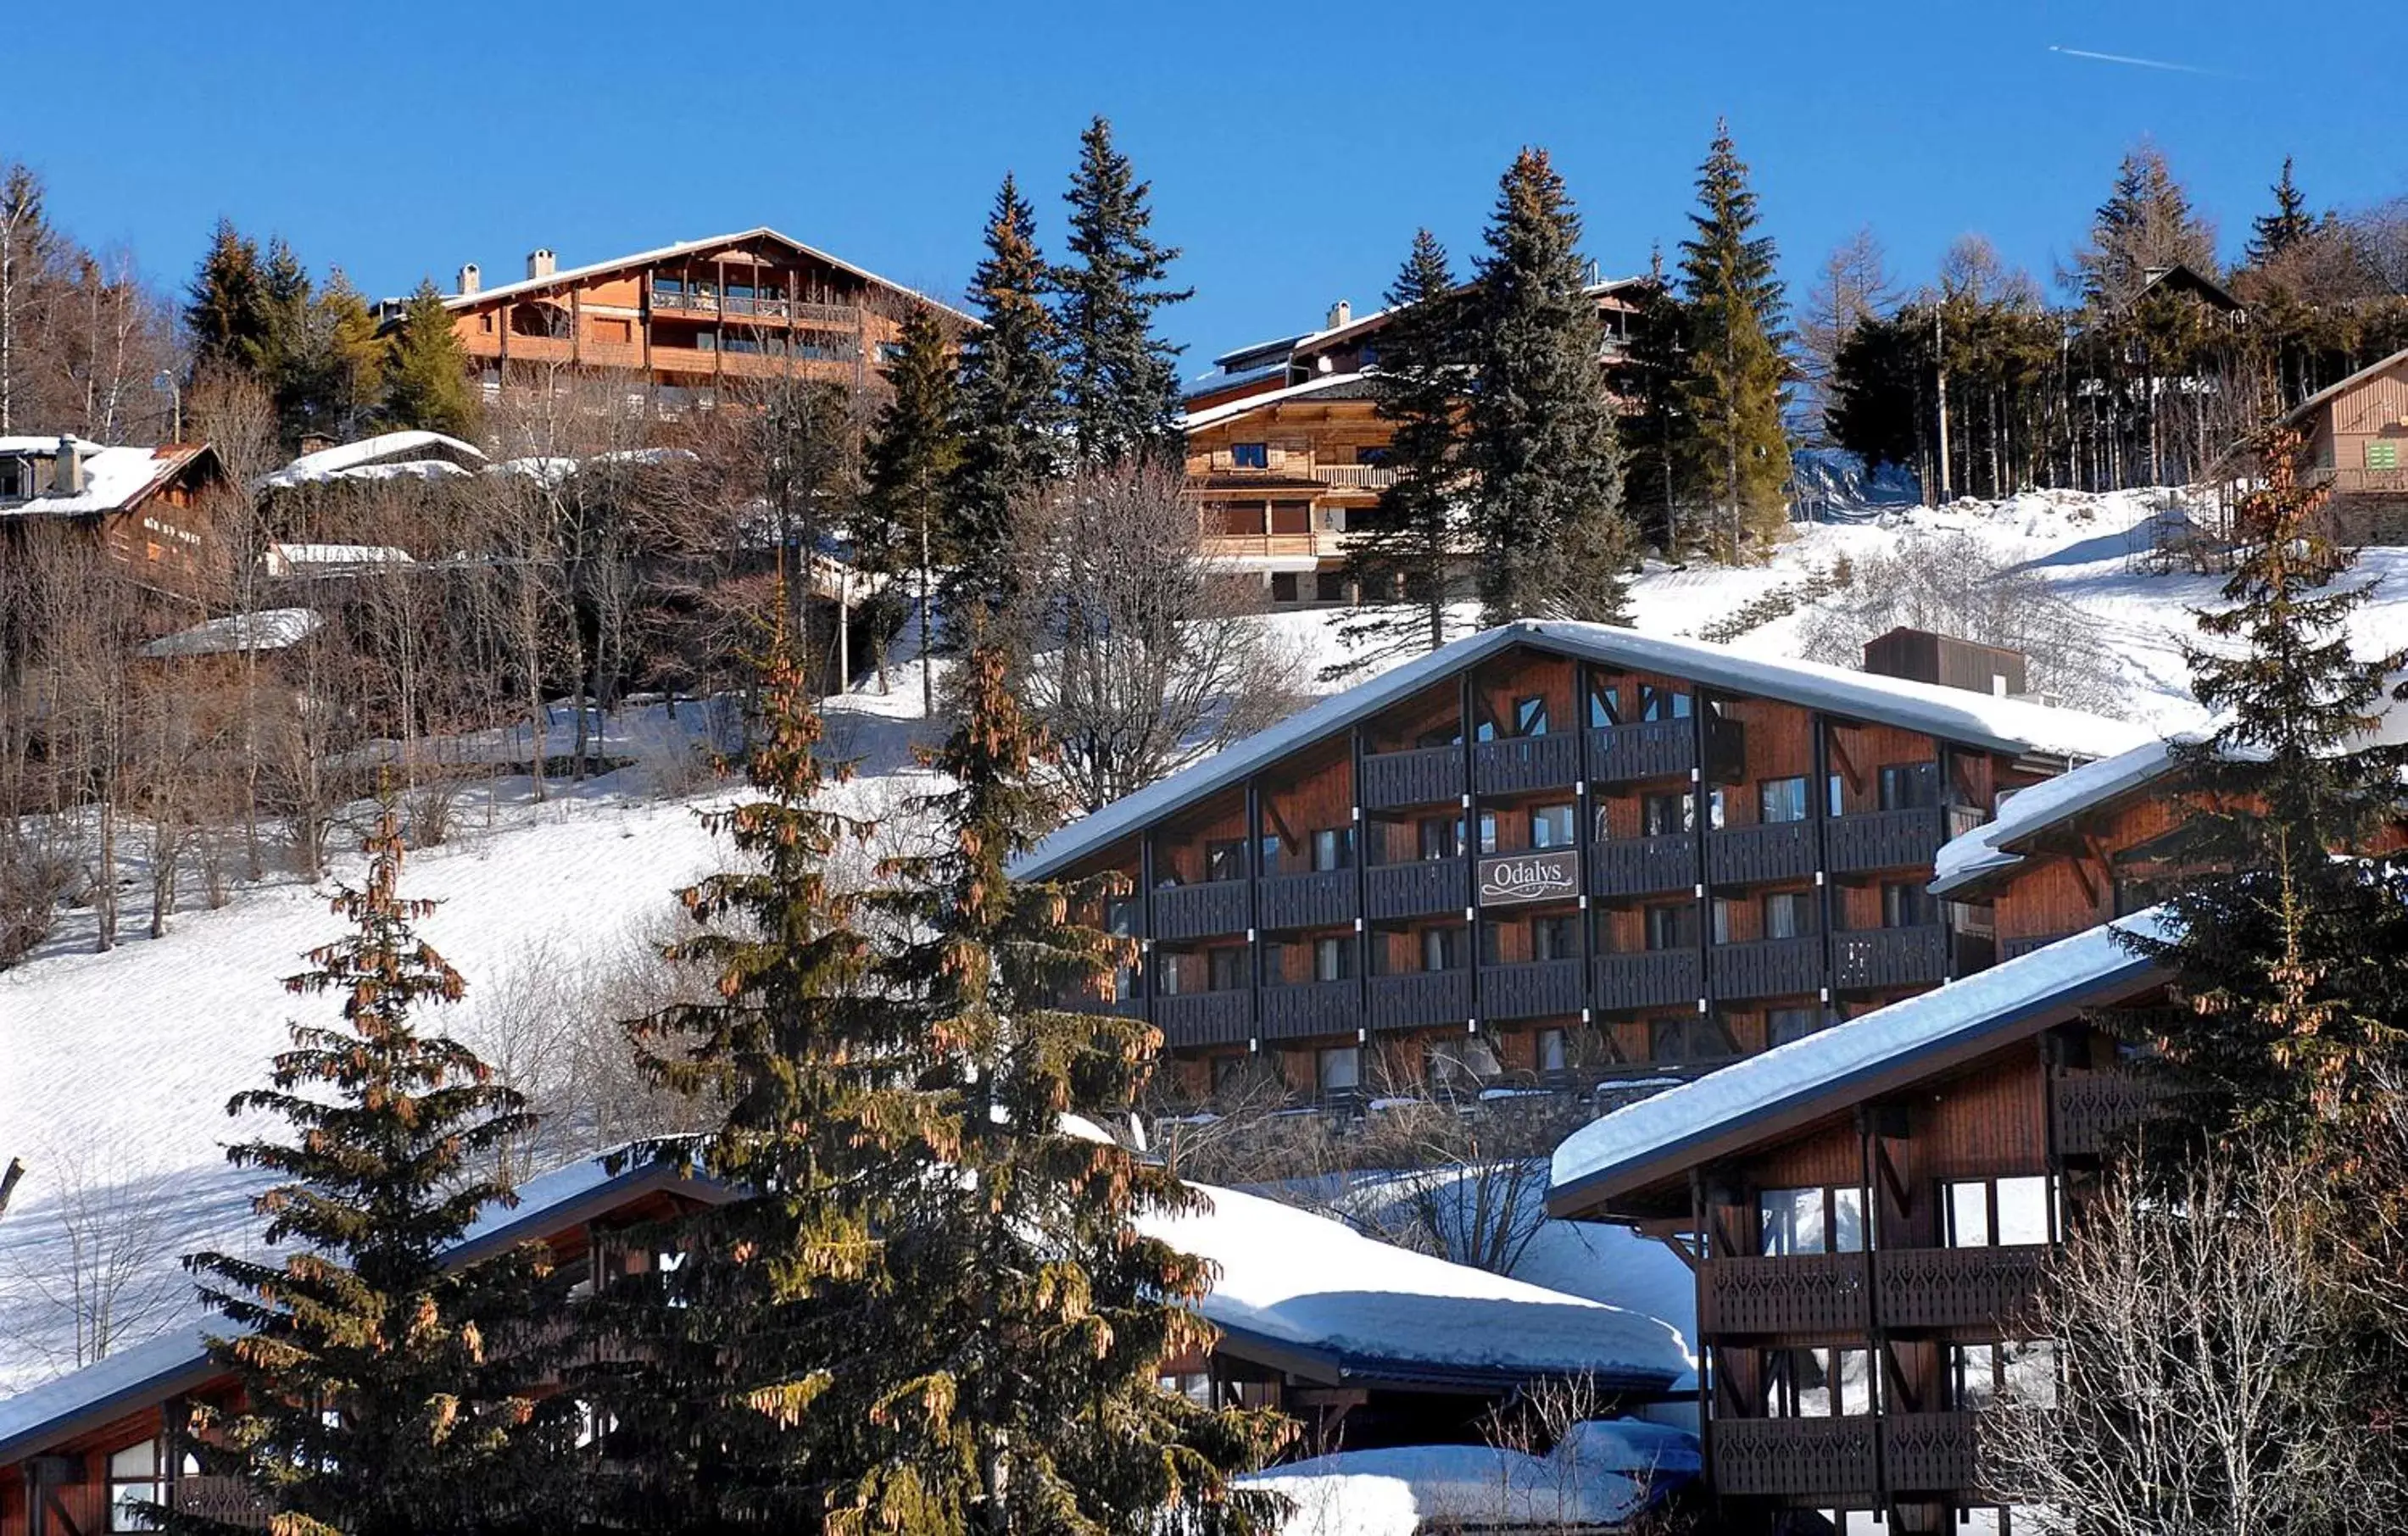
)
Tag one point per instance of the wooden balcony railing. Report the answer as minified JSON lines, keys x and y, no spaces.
{"x":1640,"y":866}
{"x":1425,"y":776}
{"x":1520,"y":764}
{"x":1418,"y":999}
{"x":2095,"y":1108}
{"x":1872,"y":840}
{"x":1196,"y":912}
{"x":1776,"y":850}
{"x":2359,"y":479}
{"x":1891,"y":957}
{"x":1316,"y":900}
{"x":1983,"y":1290}
{"x":1765,"y":968}
{"x":1808,"y":1294}
{"x":1931,"y":1453}
{"x":1356,"y":476}
{"x":1419,"y":888}
{"x":1830,"y":1458}
{"x":227,"y":1501}
{"x":1311,"y":1008}
{"x":1205,"y":1018}
{"x":1535,"y":991}
{"x":1646,"y":750}
{"x":1649,"y":978}
{"x":1221,"y":545}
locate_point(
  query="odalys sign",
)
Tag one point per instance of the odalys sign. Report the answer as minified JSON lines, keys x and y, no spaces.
{"x":1544,"y":876}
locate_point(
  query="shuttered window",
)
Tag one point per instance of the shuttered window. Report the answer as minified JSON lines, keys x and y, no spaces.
{"x":2382,"y":454}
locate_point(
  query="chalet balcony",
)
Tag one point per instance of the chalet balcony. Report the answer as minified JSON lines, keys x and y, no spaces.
{"x":1619,"y":754}
{"x":1801,"y":1295}
{"x":1518,"y":764}
{"x":1354,"y":476}
{"x":1428,"y":775}
{"x":1302,"y":1009}
{"x":1205,"y":1018}
{"x":1418,"y":1000}
{"x":1876,"y":840}
{"x":1931,"y":1453}
{"x":1643,"y":866}
{"x":1891,"y":957}
{"x":1318,"y":900}
{"x":2095,"y":1108}
{"x":1776,"y":850}
{"x":1420,"y":887}
{"x":1648,"y":978}
{"x":1765,"y":968}
{"x":1196,"y":911}
{"x":1121,"y":1007}
{"x":1829,"y":1460}
{"x":1985,"y":1291}
{"x":2359,"y":480}
{"x":227,"y":1501}
{"x":1536,"y":991}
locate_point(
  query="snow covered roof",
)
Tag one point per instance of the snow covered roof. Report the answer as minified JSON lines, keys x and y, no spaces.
{"x":1312,"y":1295}
{"x":1220,"y":379}
{"x":1794,"y":1084}
{"x":670,"y":252}
{"x":178,"y":1361}
{"x":1964,"y":861}
{"x":385,"y":450}
{"x":1230,"y":410}
{"x":1973,"y":719}
{"x":270,"y":629}
{"x":115,"y":479}
{"x":290,"y":559}
{"x":1599,"y":1474}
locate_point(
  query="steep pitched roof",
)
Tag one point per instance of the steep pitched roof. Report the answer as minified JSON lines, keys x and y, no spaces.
{"x":2330,"y":391}
{"x":1328,"y":385}
{"x":1965,"y":861}
{"x":115,"y":479}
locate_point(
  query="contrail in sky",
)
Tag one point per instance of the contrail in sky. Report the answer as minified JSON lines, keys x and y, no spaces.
{"x":2127,"y":59}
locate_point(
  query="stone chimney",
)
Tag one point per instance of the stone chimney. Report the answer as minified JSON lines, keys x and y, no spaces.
{"x":540,"y":264}
{"x":470,"y":278}
{"x":1340,"y":313}
{"x":67,"y":471}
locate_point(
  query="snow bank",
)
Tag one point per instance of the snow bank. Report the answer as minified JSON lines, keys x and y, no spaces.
{"x":384,"y":447}
{"x":270,"y":629}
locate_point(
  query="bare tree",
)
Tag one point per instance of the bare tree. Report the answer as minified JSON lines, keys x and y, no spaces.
{"x":1139,"y":658}
{"x":1854,"y":286}
{"x":96,"y":1257}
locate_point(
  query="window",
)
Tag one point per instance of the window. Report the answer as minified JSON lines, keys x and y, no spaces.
{"x":1986,"y":1213}
{"x":1284,"y":586}
{"x":1165,"y":974}
{"x":1788,"y":914}
{"x":1554,"y":938}
{"x":1250,"y":455}
{"x":1195,"y":1386}
{"x":1783,"y":1025}
{"x":135,"y":1479}
{"x":1605,"y":703}
{"x":1551,"y":826}
{"x":1338,"y":1070}
{"x":1442,"y":949}
{"x":1333,"y":960}
{"x":1909,"y":786}
{"x":1548,"y":1051}
{"x":1662,"y":703}
{"x":1329,"y":587}
{"x":1979,"y":1374}
{"x":616,"y":332}
{"x":1442,"y":837}
{"x":1369,"y":455}
{"x":1836,"y":796}
{"x":1715,"y":807}
{"x":2382,"y":454}
{"x":1333,"y":848}
{"x":1781,"y":800}
{"x":1492,"y":942}
{"x":1819,"y":1384}
{"x":1224,"y":970}
{"x":1672,"y":927}
{"x":1488,"y":831}
{"x":1906,"y":904}
{"x":1661,"y":815}
{"x":1816,"y":1219}
{"x":1690,"y":1038}
{"x":1719,"y":912}
{"x":1224,"y":860}
{"x":1530,"y":716}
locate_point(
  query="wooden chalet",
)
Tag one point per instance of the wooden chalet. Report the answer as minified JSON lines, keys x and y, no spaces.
{"x":2357,"y":435}
{"x":1560,"y":854}
{"x":1868,"y":1212}
{"x":147,"y":507}
{"x":679,"y":325}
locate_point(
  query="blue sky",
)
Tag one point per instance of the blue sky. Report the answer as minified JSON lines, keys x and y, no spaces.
{"x":1293,"y":147}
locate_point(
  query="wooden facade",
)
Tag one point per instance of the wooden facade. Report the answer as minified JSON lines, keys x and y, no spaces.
{"x":1549,"y":868}
{"x":2357,"y":443}
{"x":148,"y":507}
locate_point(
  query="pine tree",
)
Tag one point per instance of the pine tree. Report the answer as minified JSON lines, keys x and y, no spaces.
{"x":426,"y":381}
{"x":1401,"y":561}
{"x":384,"y":1392}
{"x":2145,"y":224}
{"x":2273,"y":233}
{"x":747,"y":1367}
{"x":354,"y":357}
{"x":227,"y":309}
{"x":1010,"y":409}
{"x":1041,"y":1317}
{"x":30,"y":250}
{"x":1547,"y":511}
{"x":1120,"y":381}
{"x":914,"y":451}
{"x":1736,"y":454}
{"x":1655,"y":430}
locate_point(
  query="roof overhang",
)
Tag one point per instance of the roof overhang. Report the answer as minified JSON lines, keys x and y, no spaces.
{"x":1330,"y":1367}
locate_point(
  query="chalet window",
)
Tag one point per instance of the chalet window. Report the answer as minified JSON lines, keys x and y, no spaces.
{"x":1554,"y":938}
{"x":1224,"y":970}
{"x":1987,"y":1212}
{"x":1815,"y":1219}
{"x":1720,"y":911}
{"x":1662,"y":703}
{"x":1835,"y":795}
{"x":1819,"y":1384}
{"x":1195,"y":1386}
{"x":1283,"y":587}
{"x":135,"y":1477}
{"x":1604,"y":704}
{"x":1443,"y":950}
{"x":1165,"y":974}
{"x":1907,"y":904}
{"x":1329,"y":587}
{"x":1338,"y":1070}
{"x":1250,"y":455}
{"x":1224,"y":860}
{"x":1487,"y":832}
{"x":1661,"y":815}
{"x":1783,"y":1025}
{"x":1689,"y":1038}
{"x":616,"y":332}
{"x":1718,"y":804}
{"x":1981,"y":1374}
{"x":1551,"y":826}
{"x":1370,"y":455}
{"x":1909,"y":786}
{"x":1492,"y":942}
{"x":1530,"y":716}
{"x":1268,"y":857}
{"x":1442,"y":837}
{"x":14,"y":480}
{"x":1485,"y":727}
{"x":1333,"y":848}
{"x":1788,"y":914}
{"x":1274,"y":963}
{"x":1333,"y":960}
{"x":1672,"y":927}
{"x":1548,"y":1051}
{"x":1445,"y":735}
{"x":2381,"y":454}
{"x":1781,"y":800}
{"x":1124,"y":982}
{"x":1121,"y":916}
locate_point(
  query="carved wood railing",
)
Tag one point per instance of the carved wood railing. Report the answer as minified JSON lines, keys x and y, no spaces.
{"x":1987,"y":1290}
{"x":227,"y":1501}
{"x":1818,"y":1293}
{"x":1891,"y":957}
{"x":1931,"y":1453}
{"x":2094,"y":1108}
{"x":1832,"y":1458}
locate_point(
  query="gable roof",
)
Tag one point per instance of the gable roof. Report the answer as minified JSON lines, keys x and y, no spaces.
{"x":1965,"y":861}
{"x":115,"y":479}
{"x":2331,"y":391}
{"x":1833,"y":1069}
{"x":385,"y":448}
{"x":1973,"y":719}
{"x":1335,"y":386}
{"x":458,"y":302}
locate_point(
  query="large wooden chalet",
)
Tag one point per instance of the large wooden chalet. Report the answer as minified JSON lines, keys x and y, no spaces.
{"x":2357,"y":435}
{"x":145,"y":506}
{"x":1559,"y":854}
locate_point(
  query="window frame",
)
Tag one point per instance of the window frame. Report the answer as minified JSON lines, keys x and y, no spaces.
{"x":1250,"y":455}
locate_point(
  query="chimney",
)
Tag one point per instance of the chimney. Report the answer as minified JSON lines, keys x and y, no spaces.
{"x":470,"y":278}
{"x":540,"y":264}
{"x":1340,"y":313}
{"x":66,"y":473}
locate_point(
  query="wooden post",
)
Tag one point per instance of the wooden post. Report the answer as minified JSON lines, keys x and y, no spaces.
{"x":1584,"y":840}
{"x":1818,"y":796}
{"x":1362,"y":892}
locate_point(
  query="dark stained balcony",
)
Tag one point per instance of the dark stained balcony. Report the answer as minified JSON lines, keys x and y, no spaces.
{"x":1535,"y":991}
{"x":1876,"y":840}
{"x":1812,"y":1294}
{"x":1619,"y":754}
{"x":1421,"y":888}
{"x":1647,"y":979}
{"x":1420,"y":999}
{"x":226,"y":1500}
{"x":1205,"y":1018}
{"x":1931,"y":1453}
{"x":1829,"y":1460}
{"x":2094,"y":1109}
{"x":1987,"y":1291}
{"x":1643,"y":866}
{"x":1765,"y":968}
{"x":1776,"y":850}
{"x":1311,"y":1008}
{"x":1521,"y":764}
{"x":1198,"y":912}
{"x":1425,"y":776}
{"x":1891,"y":957}
{"x":1318,"y":900}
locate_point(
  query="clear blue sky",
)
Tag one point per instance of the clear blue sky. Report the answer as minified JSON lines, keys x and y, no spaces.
{"x":1293,"y":147}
